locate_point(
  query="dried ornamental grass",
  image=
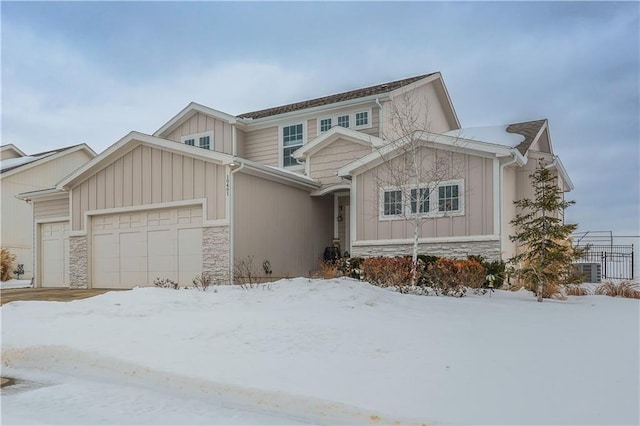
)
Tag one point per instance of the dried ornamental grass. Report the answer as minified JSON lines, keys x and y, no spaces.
{"x":329,"y":269}
{"x":626,"y":289}
{"x":7,"y":260}
{"x":575,"y":290}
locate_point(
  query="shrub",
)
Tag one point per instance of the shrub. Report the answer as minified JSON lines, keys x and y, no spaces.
{"x":576,"y":290}
{"x":453,"y":273}
{"x":244,"y":274}
{"x":387,"y":271}
{"x":7,"y":260}
{"x":202,"y":281}
{"x":165,"y":283}
{"x":626,"y":289}
{"x":497,"y":268}
{"x":329,"y":269}
{"x":351,"y":267}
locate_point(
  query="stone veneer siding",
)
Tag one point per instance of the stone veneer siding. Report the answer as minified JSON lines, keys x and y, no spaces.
{"x":78,"y":262}
{"x":215,"y":253}
{"x":490,"y":250}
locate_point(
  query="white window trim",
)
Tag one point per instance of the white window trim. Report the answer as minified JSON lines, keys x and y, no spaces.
{"x":197,"y":136}
{"x":352,"y":119}
{"x":299,"y":167}
{"x":434,"y":201}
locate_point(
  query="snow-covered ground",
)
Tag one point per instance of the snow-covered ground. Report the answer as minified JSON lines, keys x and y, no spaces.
{"x":321,"y":352}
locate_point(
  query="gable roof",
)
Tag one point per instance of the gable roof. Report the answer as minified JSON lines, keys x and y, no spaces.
{"x":12,"y":147}
{"x":131,"y":140}
{"x":338,"y":97}
{"x":531,"y":130}
{"x":332,"y":135}
{"x":17,"y":164}
{"x":426,"y":139}
{"x":187,"y":112}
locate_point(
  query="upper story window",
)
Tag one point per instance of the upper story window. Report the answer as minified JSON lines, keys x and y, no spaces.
{"x":205,"y":142}
{"x":362,"y":118}
{"x":292,"y":139}
{"x":353,"y":120}
{"x":202,"y":140}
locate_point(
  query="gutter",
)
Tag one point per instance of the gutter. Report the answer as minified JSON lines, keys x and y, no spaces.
{"x":557,"y":164}
{"x":231,"y":219}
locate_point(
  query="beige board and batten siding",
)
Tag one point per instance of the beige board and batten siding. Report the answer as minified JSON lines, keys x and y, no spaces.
{"x":424,"y":104}
{"x":262,"y":146}
{"x":16,"y":215}
{"x":281,"y":224}
{"x":199,"y":123}
{"x":477,"y":218}
{"x":324,"y":164}
{"x":146,"y":176}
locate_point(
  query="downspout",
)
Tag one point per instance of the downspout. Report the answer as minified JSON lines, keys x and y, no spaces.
{"x":231,"y":219}
{"x":501,"y":196}
{"x":234,"y":142}
{"x":380,"y":117}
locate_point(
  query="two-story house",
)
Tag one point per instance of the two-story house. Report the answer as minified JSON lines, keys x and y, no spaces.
{"x":209,"y":189}
{"x":19,"y":173}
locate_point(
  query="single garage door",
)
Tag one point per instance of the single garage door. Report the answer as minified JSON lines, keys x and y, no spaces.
{"x":54,"y":246}
{"x":135,"y":248}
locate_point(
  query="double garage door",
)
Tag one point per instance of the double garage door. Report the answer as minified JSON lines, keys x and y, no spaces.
{"x":133,"y":249}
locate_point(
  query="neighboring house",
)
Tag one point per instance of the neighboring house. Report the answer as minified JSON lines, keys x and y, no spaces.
{"x":209,"y":189}
{"x":19,"y":173}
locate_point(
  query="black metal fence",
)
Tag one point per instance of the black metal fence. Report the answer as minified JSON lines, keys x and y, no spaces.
{"x":616,"y":261}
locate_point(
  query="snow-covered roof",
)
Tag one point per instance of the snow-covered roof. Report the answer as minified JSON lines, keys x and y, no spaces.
{"x":12,"y":163}
{"x":491,"y":134}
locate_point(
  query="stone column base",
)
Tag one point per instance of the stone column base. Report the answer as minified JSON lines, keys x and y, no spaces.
{"x":215,"y":253}
{"x":78,"y":262}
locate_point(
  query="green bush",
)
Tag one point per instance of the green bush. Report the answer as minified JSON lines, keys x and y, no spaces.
{"x":497,"y":268}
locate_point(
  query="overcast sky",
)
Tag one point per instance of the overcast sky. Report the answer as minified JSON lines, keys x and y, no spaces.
{"x":91,"y":72}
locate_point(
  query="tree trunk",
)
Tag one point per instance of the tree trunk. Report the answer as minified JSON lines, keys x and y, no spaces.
{"x":539,"y":291}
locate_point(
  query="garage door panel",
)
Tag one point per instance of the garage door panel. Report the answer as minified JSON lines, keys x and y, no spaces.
{"x":146,"y":245}
{"x":161,"y":254}
{"x":106,"y":261}
{"x":132,"y":259}
{"x":189,"y":255}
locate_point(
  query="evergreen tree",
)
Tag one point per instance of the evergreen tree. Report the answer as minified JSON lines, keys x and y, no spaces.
{"x":540,"y":229}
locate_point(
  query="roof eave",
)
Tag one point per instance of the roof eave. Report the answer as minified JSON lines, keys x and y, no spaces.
{"x":143,"y":139}
{"x":188,"y":111}
{"x":301,"y":113}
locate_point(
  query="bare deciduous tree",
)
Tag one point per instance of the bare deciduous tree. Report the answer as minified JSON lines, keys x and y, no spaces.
{"x":414,"y":168}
